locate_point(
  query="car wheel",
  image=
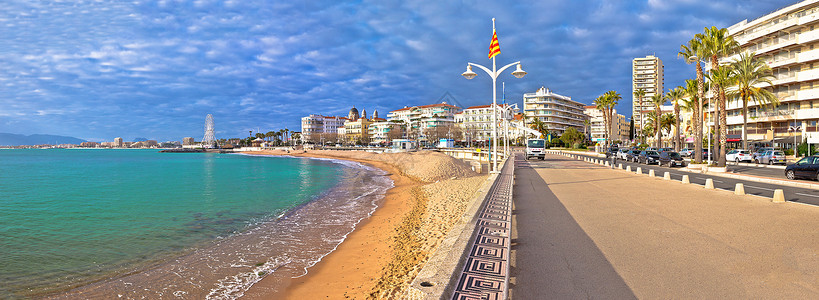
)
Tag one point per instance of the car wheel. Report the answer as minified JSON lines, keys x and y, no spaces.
{"x":737,"y":160}
{"x":789,"y":174}
{"x":756,"y":161}
{"x":770,"y":162}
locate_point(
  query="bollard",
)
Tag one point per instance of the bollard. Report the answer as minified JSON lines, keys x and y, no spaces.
{"x":709,"y":183}
{"x":620,"y":166}
{"x":606,"y":164}
{"x":628,"y":168}
{"x":639,"y":171}
{"x":739,"y":189}
{"x":779,"y":196}
{"x":667,"y":176}
{"x":685,"y":179}
{"x":651,"y":173}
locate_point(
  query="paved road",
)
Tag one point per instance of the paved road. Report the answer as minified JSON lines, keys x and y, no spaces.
{"x":584,"y":231}
{"x":794,"y":194}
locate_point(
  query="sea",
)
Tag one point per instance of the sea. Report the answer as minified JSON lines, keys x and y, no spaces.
{"x":122,"y":223}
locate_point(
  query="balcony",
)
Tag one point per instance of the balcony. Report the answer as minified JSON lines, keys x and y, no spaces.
{"x":806,"y":75}
{"x":807,"y":94}
{"x":768,"y":29}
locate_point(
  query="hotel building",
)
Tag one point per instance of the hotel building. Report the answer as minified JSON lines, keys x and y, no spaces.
{"x":557,"y":111}
{"x":788,"y":40}
{"x":646,"y":74}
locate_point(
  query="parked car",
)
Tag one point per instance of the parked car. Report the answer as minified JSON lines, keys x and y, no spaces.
{"x":623,"y":153}
{"x":648,"y":157}
{"x":612,"y":151}
{"x":661,"y":150}
{"x":738,"y":155}
{"x":759,"y":152}
{"x":807,"y":167}
{"x":686,"y":152}
{"x":631,"y":155}
{"x":706,"y":154}
{"x":671,"y":158}
{"x":771,"y":157}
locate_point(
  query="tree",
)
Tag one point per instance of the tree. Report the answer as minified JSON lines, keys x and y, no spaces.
{"x":269,"y":135}
{"x":601,"y":102}
{"x":259,"y":135}
{"x":586,"y":125}
{"x":674,"y":96}
{"x":693,"y":52}
{"x":666,"y":121}
{"x":571,"y":136}
{"x":612,"y":98}
{"x":296,"y":137}
{"x":657,"y":101}
{"x":720,"y":78}
{"x":639,"y":94}
{"x":539,"y":126}
{"x":751,"y":76}
{"x":631,"y":129}
{"x":718,"y":43}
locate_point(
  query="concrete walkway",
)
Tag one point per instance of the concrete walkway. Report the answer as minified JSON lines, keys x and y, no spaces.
{"x":583,"y":231}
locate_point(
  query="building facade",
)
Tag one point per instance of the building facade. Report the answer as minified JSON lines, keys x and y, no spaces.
{"x":476,"y":121}
{"x":187,"y":141}
{"x":426,"y":122}
{"x":619,"y":129}
{"x":646,"y":74}
{"x":315,"y":128}
{"x":118,"y":142}
{"x":788,"y":40}
{"x":557,"y":111}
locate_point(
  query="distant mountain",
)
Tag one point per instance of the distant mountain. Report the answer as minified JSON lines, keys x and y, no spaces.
{"x":11,"y":139}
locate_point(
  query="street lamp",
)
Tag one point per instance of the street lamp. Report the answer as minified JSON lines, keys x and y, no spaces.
{"x":494,"y":73}
{"x":794,"y":129}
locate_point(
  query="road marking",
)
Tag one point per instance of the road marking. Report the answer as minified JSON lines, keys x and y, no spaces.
{"x":761,"y":188}
{"x":809,"y":195}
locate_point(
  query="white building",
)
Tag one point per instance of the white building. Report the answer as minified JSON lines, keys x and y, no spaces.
{"x":421,"y":121}
{"x":557,"y":111}
{"x":646,"y":74}
{"x":476,"y":121}
{"x":619,"y":129}
{"x":315,"y":127}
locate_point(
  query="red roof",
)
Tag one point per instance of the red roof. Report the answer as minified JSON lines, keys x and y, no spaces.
{"x":379,"y":119}
{"x":425,"y":106}
{"x":589,"y":106}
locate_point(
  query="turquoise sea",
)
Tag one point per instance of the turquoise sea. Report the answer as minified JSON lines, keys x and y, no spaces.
{"x":140,"y":223}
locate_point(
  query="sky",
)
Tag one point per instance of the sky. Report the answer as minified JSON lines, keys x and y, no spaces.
{"x":100,"y":69}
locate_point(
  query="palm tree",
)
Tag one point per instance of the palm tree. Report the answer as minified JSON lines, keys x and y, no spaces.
{"x":296,"y":137}
{"x":586,"y":124}
{"x":721,"y":78}
{"x":693,"y":52}
{"x":612,"y":98}
{"x":717,"y":43}
{"x":666,"y":121}
{"x":286,"y":134}
{"x":269,"y":135}
{"x":539,"y":126}
{"x":602,"y":102}
{"x":657,"y":100}
{"x":675,"y":96}
{"x":751,"y":73}
{"x":639,"y":94}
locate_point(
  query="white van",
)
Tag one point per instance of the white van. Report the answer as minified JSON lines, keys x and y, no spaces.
{"x":536,"y":148}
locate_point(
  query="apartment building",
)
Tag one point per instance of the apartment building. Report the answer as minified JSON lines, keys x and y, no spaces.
{"x":646,"y":74}
{"x":557,"y":111}
{"x":619,"y":126}
{"x":788,"y":40}
{"x":476,"y":121}
{"x":314,"y":128}
{"x":425,"y":120}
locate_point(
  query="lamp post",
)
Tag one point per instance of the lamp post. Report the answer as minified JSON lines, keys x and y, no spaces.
{"x":794,"y":129}
{"x":494,"y":73}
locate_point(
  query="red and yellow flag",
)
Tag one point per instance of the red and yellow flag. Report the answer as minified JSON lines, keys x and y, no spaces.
{"x":494,"y":46}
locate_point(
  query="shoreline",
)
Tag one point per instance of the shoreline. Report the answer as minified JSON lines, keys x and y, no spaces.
{"x":384,"y":252}
{"x":355,"y":265}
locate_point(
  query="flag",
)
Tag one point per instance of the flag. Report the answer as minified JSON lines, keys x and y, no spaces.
{"x":494,"y":47}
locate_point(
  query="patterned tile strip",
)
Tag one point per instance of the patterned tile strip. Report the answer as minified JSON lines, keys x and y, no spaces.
{"x":486,"y":272}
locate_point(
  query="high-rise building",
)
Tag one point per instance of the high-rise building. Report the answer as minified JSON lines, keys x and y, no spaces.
{"x":788,"y":41}
{"x":557,"y":111}
{"x":187,"y":141}
{"x":619,"y":125}
{"x":646,"y":74}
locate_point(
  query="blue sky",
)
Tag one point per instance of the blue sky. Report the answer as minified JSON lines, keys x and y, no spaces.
{"x":99,"y":69}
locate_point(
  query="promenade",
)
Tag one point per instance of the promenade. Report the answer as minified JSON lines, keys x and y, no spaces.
{"x":584,"y":231}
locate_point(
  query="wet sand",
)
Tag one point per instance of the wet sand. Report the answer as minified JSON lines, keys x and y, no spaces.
{"x":385,"y":251}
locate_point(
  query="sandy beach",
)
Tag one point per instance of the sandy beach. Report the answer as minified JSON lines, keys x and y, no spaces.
{"x":381,"y":257}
